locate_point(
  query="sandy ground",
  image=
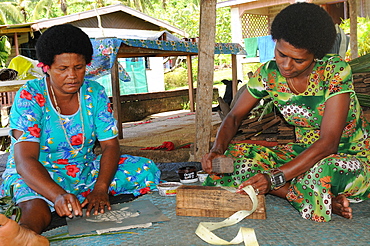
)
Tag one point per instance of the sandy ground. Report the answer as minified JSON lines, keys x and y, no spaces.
{"x":175,"y":126}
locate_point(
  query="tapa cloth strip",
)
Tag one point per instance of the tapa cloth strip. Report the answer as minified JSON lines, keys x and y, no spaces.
{"x":246,"y":235}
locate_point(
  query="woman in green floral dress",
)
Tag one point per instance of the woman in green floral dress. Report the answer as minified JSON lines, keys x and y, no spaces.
{"x":329,"y":164}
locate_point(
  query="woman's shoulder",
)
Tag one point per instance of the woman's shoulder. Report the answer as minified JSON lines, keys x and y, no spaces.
{"x":332,"y":58}
{"x":35,"y":85}
{"x":92,"y":85}
{"x":38,"y":82}
{"x":269,"y":66}
{"x":266,"y":68}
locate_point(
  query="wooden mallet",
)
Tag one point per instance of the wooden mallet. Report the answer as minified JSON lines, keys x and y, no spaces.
{"x":223,"y":165}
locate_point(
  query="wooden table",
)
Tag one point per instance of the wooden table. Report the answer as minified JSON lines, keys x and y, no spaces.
{"x":11,"y":85}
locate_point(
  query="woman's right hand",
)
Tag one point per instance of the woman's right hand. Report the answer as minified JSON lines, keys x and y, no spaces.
{"x":67,"y":203}
{"x":207,"y":161}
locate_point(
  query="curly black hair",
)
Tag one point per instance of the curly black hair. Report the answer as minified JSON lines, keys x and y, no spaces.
{"x":60,"y":39}
{"x":305,"y":26}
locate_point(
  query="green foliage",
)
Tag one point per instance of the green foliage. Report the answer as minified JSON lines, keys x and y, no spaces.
{"x":43,"y":9}
{"x":176,"y":78}
{"x":10,"y":13}
{"x":363,"y":34}
{"x":185,"y":15}
{"x":223,"y":26}
{"x":5,"y":50}
{"x":9,"y":208}
{"x":250,"y":67}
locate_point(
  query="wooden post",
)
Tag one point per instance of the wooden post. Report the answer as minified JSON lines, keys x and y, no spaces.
{"x":16,"y":44}
{"x":234,"y":73}
{"x":203,"y":116}
{"x":190,"y":83}
{"x":353,"y":28}
{"x":116,"y":98}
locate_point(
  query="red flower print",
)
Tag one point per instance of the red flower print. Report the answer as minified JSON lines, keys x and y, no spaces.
{"x":122,"y":160}
{"x":25,"y":94}
{"x":113,"y":192}
{"x":334,"y":88}
{"x":215,"y":177}
{"x":72,"y":170}
{"x":109,"y":108}
{"x":77,"y":139}
{"x":34,"y":130}
{"x":62,"y":161}
{"x":40,"y":99}
{"x":144,"y":190}
{"x":86,"y":193}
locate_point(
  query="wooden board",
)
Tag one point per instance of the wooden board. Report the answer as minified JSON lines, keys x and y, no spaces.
{"x":207,"y":201}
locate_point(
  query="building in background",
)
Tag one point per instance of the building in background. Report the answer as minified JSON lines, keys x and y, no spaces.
{"x":112,"y":21}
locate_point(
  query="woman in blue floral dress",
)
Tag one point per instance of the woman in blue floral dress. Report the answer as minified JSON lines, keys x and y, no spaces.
{"x":329,"y":164}
{"x":55,"y":123}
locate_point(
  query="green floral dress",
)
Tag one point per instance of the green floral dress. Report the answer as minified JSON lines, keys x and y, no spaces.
{"x":347,"y":172}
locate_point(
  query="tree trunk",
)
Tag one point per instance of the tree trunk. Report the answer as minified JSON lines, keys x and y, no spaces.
{"x":353,"y":28}
{"x":203,"y":116}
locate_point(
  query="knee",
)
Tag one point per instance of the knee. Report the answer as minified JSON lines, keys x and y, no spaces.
{"x":36,"y":214}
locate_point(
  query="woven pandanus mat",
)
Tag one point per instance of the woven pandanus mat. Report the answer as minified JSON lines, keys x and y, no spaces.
{"x":283,"y":226}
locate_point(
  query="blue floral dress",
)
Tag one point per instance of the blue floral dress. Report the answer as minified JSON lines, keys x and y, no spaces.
{"x":71,"y":163}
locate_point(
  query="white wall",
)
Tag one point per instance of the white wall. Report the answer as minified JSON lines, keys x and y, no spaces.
{"x":155,"y":75}
{"x":236,"y":36}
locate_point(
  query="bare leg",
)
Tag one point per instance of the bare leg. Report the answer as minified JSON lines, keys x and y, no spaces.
{"x":35,"y":217}
{"x":340,"y":206}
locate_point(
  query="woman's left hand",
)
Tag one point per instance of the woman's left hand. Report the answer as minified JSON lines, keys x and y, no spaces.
{"x":96,"y":200}
{"x":259,"y":182}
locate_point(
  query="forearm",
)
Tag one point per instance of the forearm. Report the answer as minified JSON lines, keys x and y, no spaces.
{"x":308,"y":158}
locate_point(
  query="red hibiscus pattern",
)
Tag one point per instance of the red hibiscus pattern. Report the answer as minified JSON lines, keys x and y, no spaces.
{"x":109,"y":108}
{"x":144,"y":190}
{"x":25,"y":94}
{"x":35,"y":130}
{"x":62,"y":161}
{"x":86,"y":193}
{"x":40,"y":99}
{"x":77,"y":139}
{"x":122,"y":160}
{"x":72,"y":170}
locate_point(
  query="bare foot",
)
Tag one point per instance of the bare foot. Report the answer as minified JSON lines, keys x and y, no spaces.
{"x":340,"y":206}
{"x":13,"y":234}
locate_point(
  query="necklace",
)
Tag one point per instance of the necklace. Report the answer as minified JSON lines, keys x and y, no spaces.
{"x":290,"y":82}
{"x":62,"y":122}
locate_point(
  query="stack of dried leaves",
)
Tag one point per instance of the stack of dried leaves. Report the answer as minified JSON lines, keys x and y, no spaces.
{"x":270,"y":127}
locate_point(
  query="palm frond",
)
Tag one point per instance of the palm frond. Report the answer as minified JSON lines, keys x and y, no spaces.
{"x":10,"y":14}
{"x":42,"y":9}
{"x":360,"y":64}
